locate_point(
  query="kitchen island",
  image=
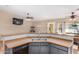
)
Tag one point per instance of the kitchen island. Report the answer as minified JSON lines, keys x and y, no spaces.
{"x":58,"y":41}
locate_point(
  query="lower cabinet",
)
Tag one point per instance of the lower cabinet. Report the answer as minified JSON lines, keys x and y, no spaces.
{"x":21,"y":49}
{"x":17,"y":50}
{"x":9,"y":51}
{"x":55,"y":49}
{"x":45,"y":48}
{"x":38,"y":48}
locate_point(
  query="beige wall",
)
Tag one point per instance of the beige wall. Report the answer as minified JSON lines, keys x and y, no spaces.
{"x":6,"y":26}
{"x":40,"y":26}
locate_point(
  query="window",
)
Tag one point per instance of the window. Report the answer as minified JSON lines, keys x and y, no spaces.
{"x":72,"y":28}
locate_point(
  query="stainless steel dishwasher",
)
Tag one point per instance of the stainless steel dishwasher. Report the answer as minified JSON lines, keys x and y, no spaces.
{"x":39,"y":48}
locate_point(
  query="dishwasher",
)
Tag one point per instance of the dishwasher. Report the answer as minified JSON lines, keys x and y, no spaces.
{"x":39,"y":46}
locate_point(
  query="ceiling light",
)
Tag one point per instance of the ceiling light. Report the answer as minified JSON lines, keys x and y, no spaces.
{"x":73,"y":16}
{"x":28,"y":17}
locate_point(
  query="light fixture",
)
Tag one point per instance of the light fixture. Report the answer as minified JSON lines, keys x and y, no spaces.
{"x":28,"y":17}
{"x":73,"y":17}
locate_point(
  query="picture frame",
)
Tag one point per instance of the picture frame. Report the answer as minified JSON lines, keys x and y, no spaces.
{"x":51,"y":27}
{"x":17,"y":21}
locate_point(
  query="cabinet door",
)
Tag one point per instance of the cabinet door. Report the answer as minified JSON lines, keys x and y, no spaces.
{"x":8,"y":51}
{"x":55,"y":49}
{"x":34,"y":49}
{"x":61,"y":52}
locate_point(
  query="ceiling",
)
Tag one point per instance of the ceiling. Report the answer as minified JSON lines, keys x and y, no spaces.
{"x":40,"y":11}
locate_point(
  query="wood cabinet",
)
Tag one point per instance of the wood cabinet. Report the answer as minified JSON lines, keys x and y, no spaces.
{"x":38,"y":48}
{"x":55,"y":49}
{"x":17,"y":50}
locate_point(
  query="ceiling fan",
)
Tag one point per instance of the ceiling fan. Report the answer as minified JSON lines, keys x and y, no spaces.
{"x":74,"y":15}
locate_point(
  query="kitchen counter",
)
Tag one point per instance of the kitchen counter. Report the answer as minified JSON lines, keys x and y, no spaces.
{"x":11,"y":37}
{"x":21,"y":41}
{"x":17,"y":40}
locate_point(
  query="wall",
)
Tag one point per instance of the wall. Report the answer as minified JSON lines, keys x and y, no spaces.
{"x":7,"y":28}
{"x":41,"y":26}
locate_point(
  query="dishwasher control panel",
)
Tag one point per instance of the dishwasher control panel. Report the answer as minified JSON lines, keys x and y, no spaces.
{"x":39,"y":39}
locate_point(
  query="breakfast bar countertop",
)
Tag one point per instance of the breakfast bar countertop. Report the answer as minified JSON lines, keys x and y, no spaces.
{"x":16,"y":40}
{"x":11,"y":37}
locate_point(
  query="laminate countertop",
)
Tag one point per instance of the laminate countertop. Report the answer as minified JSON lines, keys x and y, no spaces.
{"x":21,"y":41}
{"x":11,"y":37}
{"x":25,"y":40}
{"x":17,"y":40}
